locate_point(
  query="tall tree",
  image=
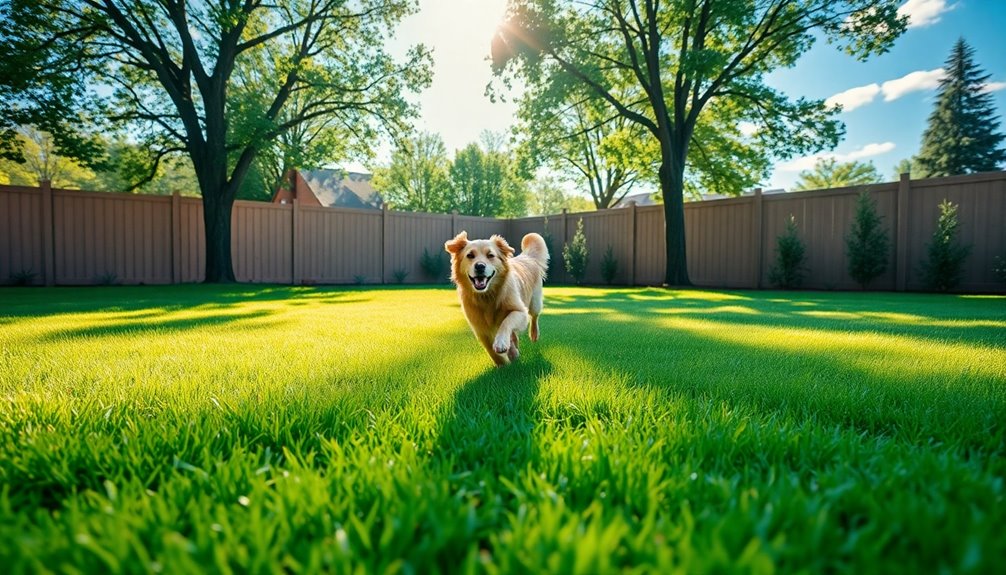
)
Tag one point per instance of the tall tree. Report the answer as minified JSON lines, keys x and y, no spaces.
{"x":486,"y":183}
{"x":904,"y":166}
{"x":829,"y":173}
{"x":171,"y":64}
{"x":686,"y":57}
{"x":417,"y":178}
{"x":40,"y":160}
{"x":962,"y":135}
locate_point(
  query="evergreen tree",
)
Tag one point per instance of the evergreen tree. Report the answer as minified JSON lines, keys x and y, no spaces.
{"x":944,"y":266}
{"x":866,"y":244}
{"x":790,"y":254}
{"x":576,"y":255}
{"x":961,"y":137}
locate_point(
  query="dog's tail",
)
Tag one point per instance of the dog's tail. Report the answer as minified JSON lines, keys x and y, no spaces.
{"x":534,"y":247}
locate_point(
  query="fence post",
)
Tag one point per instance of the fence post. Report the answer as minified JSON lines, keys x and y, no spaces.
{"x":565,"y":230}
{"x":758,"y":230}
{"x":384,"y":243}
{"x":295,"y":243}
{"x":176,"y":237}
{"x":901,"y":224}
{"x":632,"y":243}
{"x":48,"y":239}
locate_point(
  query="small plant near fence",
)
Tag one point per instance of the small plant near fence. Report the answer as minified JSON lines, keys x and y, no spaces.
{"x":400,"y":274}
{"x":575,"y":254}
{"x":867,"y":242}
{"x":434,"y":265}
{"x":359,"y":280}
{"x":106,"y":279}
{"x":609,"y":265}
{"x":944,"y":265}
{"x":999,"y":269}
{"x":23,"y":277}
{"x":790,"y":255}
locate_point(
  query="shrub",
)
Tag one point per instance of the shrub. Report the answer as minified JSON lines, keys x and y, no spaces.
{"x":400,"y":274}
{"x":433,"y":264}
{"x":867,"y":242}
{"x":944,"y":265}
{"x":789,"y":267}
{"x":360,"y":279}
{"x":999,"y":269}
{"x":106,"y":279}
{"x":575,"y":254}
{"x":23,"y":277}
{"x":609,"y":265}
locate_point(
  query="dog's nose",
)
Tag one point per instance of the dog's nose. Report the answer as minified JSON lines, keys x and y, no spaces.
{"x":480,"y":268}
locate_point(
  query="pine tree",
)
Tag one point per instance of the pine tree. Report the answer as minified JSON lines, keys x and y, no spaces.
{"x":944,"y":265}
{"x":789,"y":267}
{"x":961,"y":137}
{"x":866,"y":244}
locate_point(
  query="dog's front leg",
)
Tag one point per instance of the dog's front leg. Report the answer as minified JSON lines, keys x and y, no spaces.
{"x":515,"y":321}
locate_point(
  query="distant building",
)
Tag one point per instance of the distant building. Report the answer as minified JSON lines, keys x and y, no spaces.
{"x":745,"y":193}
{"x":329,"y":188}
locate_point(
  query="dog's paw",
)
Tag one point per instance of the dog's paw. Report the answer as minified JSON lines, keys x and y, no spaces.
{"x":501,"y":345}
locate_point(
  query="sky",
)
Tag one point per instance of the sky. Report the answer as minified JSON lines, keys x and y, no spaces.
{"x":886,"y":100}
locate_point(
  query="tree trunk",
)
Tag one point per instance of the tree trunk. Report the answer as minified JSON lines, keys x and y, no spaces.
{"x":217,"y":208}
{"x":672,"y":185}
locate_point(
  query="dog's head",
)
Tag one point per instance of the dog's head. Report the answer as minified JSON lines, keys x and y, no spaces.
{"x":479,"y":265}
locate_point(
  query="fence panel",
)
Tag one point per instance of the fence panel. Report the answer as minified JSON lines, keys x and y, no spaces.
{"x":21,"y":236}
{"x":262,"y":242}
{"x":339,"y":246}
{"x":651,"y":249}
{"x":718,"y":243}
{"x":114,"y":238}
{"x":407,"y":236}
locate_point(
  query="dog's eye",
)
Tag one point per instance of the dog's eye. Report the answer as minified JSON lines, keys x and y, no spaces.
{"x":471,"y":255}
{"x":491,"y":255}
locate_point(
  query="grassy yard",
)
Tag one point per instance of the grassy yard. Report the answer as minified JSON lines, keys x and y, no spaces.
{"x":266,"y":429}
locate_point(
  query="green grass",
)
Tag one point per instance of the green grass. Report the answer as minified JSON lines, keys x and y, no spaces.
{"x":258,"y":429}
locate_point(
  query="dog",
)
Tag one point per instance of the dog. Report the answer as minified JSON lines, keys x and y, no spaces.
{"x":501,"y":294}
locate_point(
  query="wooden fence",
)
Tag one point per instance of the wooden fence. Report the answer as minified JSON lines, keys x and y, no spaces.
{"x":64,"y":237}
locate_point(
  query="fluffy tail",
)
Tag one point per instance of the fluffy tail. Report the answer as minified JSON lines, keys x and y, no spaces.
{"x":534,"y":247}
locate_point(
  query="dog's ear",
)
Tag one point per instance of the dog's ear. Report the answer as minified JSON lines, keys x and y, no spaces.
{"x":504,"y":247}
{"x":457,"y":244}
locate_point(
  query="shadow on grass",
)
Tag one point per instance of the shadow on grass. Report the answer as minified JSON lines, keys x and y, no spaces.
{"x":865,"y":370}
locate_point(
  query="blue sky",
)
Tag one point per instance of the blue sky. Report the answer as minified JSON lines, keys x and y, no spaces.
{"x":887,"y":99}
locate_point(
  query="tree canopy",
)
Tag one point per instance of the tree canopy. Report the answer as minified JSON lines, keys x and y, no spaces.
{"x":417,"y":178}
{"x":165,"y":71}
{"x":689,"y":64}
{"x":830,"y":173}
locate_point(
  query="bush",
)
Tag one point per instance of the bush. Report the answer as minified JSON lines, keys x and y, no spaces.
{"x":575,"y":254}
{"x":434,"y":265}
{"x":944,"y":265}
{"x":999,"y":269}
{"x":867,"y":242}
{"x":23,"y":277}
{"x":789,"y":267}
{"x":400,"y":274}
{"x":609,"y":265}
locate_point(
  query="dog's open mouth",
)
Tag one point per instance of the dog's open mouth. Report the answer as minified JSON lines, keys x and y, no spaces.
{"x":480,"y":283}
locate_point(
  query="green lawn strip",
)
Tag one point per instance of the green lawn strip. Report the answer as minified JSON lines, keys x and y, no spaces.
{"x":257,"y":428}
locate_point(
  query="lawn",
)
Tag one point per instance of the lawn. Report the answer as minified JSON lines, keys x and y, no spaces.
{"x":267,"y":429}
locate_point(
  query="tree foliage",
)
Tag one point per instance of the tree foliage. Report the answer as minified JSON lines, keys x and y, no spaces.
{"x":829,"y":173}
{"x":867,"y":242}
{"x":962,"y":135}
{"x":682,"y":69}
{"x":486,"y":182}
{"x":944,"y":264}
{"x":417,"y":178}
{"x":165,"y":70}
{"x":546,"y":196}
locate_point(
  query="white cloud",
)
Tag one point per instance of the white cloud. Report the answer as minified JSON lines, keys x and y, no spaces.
{"x":807,"y":162}
{"x":854,"y":97}
{"x":924,"y":12}
{"x":911,"y":82}
{"x":993,"y":87}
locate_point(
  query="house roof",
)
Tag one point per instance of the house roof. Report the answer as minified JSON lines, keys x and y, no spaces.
{"x":640,"y":199}
{"x":341,"y":189}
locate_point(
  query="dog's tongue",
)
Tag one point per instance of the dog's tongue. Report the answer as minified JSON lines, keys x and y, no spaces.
{"x":480,"y":283}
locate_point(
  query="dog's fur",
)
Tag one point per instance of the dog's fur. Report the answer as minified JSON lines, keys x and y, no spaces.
{"x":501,"y":294}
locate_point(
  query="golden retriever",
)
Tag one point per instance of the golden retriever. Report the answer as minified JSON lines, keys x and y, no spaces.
{"x":500,"y":293}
